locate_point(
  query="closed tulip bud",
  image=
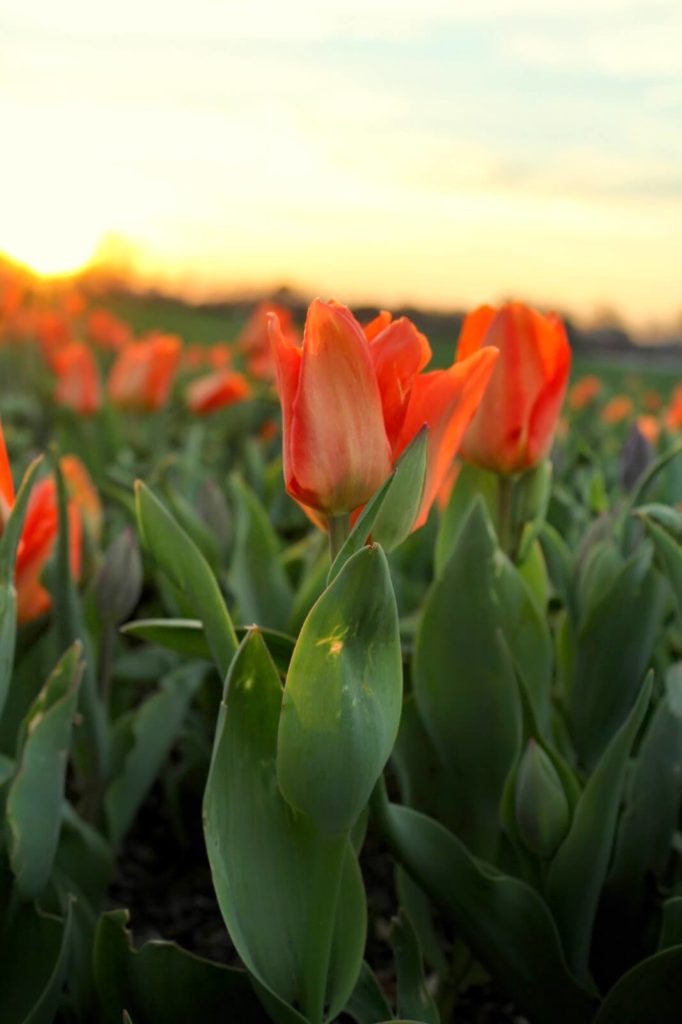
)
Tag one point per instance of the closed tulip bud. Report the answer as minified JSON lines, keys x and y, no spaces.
{"x":542,"y":812}
{"x":336,"y":452}
{"x":119,"y":583}
{"x":216,"y":391}
{"x":142,"y":376}
{"x":515,"y":423}
{"x":77,"y":385}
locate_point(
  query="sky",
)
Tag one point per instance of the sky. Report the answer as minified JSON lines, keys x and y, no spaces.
{"x":430,"y":151}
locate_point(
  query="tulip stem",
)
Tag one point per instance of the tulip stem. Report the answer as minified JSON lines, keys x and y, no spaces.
{"x":339,"y":528}
{"x":505,"y":513}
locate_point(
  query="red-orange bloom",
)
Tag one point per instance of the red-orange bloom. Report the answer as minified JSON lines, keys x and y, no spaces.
{"x":215,"y":391}
{"x":649,"y":427}
{"x":77,"y":384}
{"x":142,"y":376}
{"x":38,"y":536}
{"x":617,"y":410}
{"x":673,"y":416}
{"x":107,"y":331}
{"x":254,"y":340}
{"x":584,"y":391}
{"x":351,"y":406}
{"x":515,"y":423}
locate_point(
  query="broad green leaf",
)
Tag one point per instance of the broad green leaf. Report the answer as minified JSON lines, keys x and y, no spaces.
{"x":164,"y":984}
{"x":559,"y":562}
{"x":34,"y":956}
{"x":504,"y":922}
{"x":343,"y":696}
{"x":613,"y":649}
{"x":257,"y":576}
{"x":150,"y":731}
{"x":470,"y":484}
{"x":36,"y":794}
{"x":650,"y":992}
{"x":465,"y":686}
{"x":414,"y":999}
{"x":9,"y":542}
{"x":579,"y":868}
{"x":264,"y":857}
{"x":180,"y":559}
{"x":390,"y":514}
{"x":419,"y":909}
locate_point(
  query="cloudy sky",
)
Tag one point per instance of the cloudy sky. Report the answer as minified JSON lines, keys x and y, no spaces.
{"x":444,"y":152}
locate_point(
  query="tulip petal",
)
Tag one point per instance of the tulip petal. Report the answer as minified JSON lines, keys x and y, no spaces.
{"x":287,"y":358}
{"x":398,"y":353}
{"x":445,"y":400}
{"x":6,"y":482}
{"x":338,"y":452}
{"x":474,"y":330}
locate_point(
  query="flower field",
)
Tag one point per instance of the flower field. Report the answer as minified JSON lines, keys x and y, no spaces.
{"x":340,"y":669}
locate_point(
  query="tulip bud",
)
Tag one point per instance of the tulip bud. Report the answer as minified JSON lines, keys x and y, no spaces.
{"x":119,"y":583}
{"x":542,"y":812}
{"x":514,"y":426}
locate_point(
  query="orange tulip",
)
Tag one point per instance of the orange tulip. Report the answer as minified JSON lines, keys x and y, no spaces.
{"x":215,"y":391}
{"x":77,"y":379}
{"x":673,"y":416}
{"x":38,"y":537}
{"x":84,"y":493}
{"x":649,"y":427}
{"x":351,"y":406}
{"x":584,"y":391}
{"x":142,"y":376}
{"x":107,"y":331}
{"x":254,"y":340}
{"x":617,"y":410}
{"x":515,"y":423}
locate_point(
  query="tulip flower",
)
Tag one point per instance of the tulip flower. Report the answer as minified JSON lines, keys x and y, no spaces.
{"x":514,"y":426}
{"x":351,"y":406}
{"x":617,"y":410}
{"x":77,"y":384}
{"x":649,"y":427}
{"x":107,"y":331}
{"x":142,"y":376}
{"x":254,"y":340}
{"x":673,"y":416}
{"x":38,"y":537}
{"x":215,"y":391}
{"x":584,"y":391}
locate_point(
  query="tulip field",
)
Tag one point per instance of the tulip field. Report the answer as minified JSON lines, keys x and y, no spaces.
{"x":335,"y":686}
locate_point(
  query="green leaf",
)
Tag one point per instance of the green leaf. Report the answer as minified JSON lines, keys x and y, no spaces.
{"x":149,"y":732}
{"x":614,"y":644}
{"x":465,"y":686}
{"x":36,"y":794}
{"x":9,"y":542}
{"x":671,"y":923}
{"x":579,"y":868}
{"x":343,"y":696}
{"x":367,"y":1003}
{"x":559,"y":562}
{"x":390,"y":514}
{"x":472,"y":484}
{"x":186,"y":636}
{"x":264,"y":856}
{"x":504,"y":922}
{"x":92,"y":739}
{"x":257,"y":575}
{"x":651,"y":991}
{"x":654,"y":793}
{"x":669,"y":554}
{"x":34,"y":957}
{"x":414,"y":999}
{"x":164,"y":984}
{"x":180,"y":559}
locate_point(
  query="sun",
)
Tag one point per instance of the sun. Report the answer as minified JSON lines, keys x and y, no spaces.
{"x":50,"y":247}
